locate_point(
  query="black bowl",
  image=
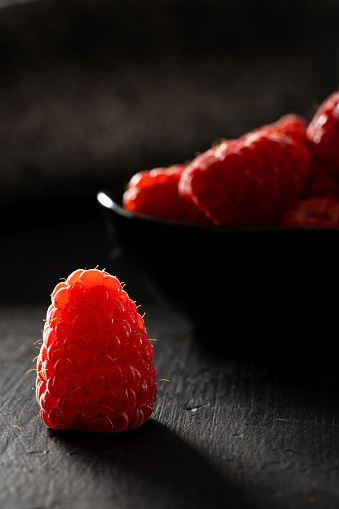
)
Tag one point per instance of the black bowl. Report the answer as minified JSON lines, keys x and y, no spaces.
{"x":255,"y":286}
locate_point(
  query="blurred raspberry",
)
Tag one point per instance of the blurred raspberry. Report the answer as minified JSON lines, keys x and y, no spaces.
{"x":313,"y":212}
{"x":323,"y":134}
{"x":155,"y":193}
{"x":320,"y":184}
{"x":291,"y":125}
{"x":247,"y":182}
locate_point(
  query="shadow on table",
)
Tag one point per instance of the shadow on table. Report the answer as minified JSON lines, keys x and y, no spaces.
{"x":159,"y":467}
{"x":299,"y":344}
{"x":295,"y":364}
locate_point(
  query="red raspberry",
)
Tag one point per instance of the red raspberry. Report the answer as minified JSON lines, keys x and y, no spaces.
{"x":320,"y":184}
{"x":94,"y":369}
{"x":155,"y":193}
{"x":323,"y":134}
{"x":247,"y":182}
{"x":314,"y":212}
{"x":292,"y":125}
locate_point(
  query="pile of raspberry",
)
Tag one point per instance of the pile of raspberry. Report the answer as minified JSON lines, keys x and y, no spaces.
{"x":95,"y":368}
{"x":283,"y":174}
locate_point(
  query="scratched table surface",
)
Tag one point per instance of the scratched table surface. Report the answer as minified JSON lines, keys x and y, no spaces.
{"x":228,"y":430}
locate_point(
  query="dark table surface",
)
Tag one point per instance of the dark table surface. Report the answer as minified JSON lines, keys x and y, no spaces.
{"x":229,"y":429}
{"x":93,"y":91}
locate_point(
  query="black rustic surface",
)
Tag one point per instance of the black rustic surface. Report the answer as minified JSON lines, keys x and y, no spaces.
{"x":228,"y":430}
{"x":90,"y":92}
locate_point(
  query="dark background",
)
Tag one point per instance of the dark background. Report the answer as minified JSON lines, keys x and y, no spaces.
{"x":90,"y":93}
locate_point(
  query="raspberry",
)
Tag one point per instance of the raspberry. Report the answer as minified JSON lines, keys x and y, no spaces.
{"x":155,"y":193}
{"x":247,"y":182}
{"x":320,"y":184}
{"x":291,"y":125}
{"x":323,"y":134}
{"x":94,"y":369}
{"x":314,"y":212}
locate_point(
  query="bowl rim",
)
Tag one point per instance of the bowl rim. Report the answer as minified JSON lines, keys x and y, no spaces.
{"x":107,"y":198}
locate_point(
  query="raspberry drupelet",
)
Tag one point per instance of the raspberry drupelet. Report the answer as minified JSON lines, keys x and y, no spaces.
{"x":95,"y":368}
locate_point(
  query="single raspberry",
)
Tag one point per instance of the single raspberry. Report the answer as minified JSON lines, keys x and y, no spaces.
{"x":94,"y":369}
{"x":314,"y":212}
{"x":155,"y":193}
{"x":292,"y":125}
{"x":247,"y":182}
{"x":323,"y":134}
